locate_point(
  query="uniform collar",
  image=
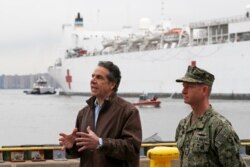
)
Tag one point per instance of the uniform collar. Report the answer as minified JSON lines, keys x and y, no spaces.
{"x":201,"y":121}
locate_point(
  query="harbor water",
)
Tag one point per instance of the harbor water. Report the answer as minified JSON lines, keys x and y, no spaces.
{"x":38,"y":119}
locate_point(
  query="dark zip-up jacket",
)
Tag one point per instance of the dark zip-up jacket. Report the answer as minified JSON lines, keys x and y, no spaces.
{"x":119,"y":126}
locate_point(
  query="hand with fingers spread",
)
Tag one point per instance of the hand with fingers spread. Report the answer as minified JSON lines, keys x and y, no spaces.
{"x":67,"y":141}
{"x":87,"y":140}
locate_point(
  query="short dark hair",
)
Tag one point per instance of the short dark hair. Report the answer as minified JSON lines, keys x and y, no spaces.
{"x":114,"y":72}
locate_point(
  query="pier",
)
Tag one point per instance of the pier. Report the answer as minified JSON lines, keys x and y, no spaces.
{"x":53,"y":156}
{"x":144,"y":162}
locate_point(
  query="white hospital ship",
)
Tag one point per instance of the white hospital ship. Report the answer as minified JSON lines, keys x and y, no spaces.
{"x":151,"y":59}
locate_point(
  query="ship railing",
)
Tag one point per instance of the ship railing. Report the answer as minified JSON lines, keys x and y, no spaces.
{"x":206,"y":23}
{"x":52,"y":151}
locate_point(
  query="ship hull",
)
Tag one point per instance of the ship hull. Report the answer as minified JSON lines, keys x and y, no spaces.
{"x":156,"y":71}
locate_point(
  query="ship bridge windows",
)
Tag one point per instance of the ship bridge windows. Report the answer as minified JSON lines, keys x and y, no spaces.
{"x":199,"y":36}
{"x":210,"y":34}
{"x":232,"y":37}
{"x":245,"y":36}
{"x":218,"y":34}
{"x":238,"y":37}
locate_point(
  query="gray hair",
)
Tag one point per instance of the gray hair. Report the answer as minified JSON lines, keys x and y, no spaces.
{"x":114,"y":72}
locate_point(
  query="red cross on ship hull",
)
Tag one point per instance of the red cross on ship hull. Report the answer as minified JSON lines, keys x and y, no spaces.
{"x":68,"y":79}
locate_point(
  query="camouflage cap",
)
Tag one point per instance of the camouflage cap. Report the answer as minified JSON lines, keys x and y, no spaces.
{"x":197,"y":75}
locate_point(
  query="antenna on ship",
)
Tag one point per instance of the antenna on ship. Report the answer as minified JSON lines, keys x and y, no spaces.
{"x":163,"y":10}
{"x":98,"y":18}
{"x":165,"y":22}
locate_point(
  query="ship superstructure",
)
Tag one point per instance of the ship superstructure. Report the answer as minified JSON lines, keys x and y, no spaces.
{"x":151,"y":59}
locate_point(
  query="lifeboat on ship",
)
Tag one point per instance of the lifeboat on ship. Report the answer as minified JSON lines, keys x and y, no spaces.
{"x":175,"y":35}
{"x":174,"y":31}
{"x":147,"y":101}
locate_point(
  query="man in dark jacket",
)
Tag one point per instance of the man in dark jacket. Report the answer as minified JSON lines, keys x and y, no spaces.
{"x":108,"y":130}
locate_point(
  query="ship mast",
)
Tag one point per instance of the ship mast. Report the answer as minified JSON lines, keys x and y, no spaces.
{"x":163,"y":16}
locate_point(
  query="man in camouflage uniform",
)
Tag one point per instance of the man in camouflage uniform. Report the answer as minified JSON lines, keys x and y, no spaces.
{"x":205,"y":138}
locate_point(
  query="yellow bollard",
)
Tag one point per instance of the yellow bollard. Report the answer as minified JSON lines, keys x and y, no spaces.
{"x":162,"y":156}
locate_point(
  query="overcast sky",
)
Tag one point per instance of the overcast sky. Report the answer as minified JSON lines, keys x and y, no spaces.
{"x":30,"y":30}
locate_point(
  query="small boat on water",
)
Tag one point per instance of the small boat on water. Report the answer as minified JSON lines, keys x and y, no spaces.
{"x":40,"y":87}
{"x":147,"y":100}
